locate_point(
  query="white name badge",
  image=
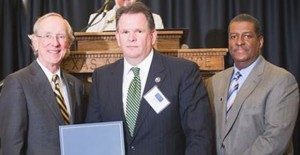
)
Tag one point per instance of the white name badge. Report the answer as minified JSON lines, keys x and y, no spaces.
{"x":156,"y":99}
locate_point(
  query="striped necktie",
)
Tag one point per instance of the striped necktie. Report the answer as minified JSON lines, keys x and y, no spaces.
{"x":233,"y":88}
{"x":60,"y":100}
{"x":133,"y":100}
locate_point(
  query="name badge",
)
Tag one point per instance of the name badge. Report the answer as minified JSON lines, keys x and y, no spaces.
{"x":156,"y":99}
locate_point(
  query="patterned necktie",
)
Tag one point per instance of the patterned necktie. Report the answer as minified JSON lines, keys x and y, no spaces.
{"x":133,"y":100}
{"x":233,"y":88}
{"x":60,"y":100}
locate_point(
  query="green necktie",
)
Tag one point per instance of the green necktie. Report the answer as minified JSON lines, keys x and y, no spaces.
{"x":133,"y":100}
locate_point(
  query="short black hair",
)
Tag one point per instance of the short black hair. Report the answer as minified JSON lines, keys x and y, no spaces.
{"x":248,"y":18}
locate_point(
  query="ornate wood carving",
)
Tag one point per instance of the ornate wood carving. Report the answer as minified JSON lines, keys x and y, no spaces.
{"x":95,"y":49}
{"x":209,"y":60}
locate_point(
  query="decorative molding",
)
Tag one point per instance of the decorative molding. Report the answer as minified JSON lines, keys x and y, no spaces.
{"x":87,"y":61}
{"x":95,"y":49}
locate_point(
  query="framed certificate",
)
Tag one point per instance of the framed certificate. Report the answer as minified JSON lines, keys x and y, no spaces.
{"x":105,"y":138}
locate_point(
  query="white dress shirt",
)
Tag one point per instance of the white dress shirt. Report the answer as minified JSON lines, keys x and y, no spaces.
{"x":63,"y":87}
{"x":128,"y":76}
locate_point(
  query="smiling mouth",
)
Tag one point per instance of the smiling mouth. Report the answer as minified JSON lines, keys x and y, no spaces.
{"x":54,"y":51}
{"x":132,"y":46}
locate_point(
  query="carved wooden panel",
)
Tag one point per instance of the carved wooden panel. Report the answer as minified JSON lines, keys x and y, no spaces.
{"x":95,"y":49}
{"x":87,"y":61}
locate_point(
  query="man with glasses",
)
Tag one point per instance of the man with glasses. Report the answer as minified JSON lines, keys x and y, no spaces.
{"x":37,"y":99}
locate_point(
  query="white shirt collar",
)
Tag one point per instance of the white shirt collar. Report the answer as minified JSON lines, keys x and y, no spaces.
{"x":144,"y":65}
{"x":245,"y":71}
{"x":47,"y":71}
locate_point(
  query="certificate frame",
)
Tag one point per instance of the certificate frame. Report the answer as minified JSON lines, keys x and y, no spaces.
{"x":92,"y":139}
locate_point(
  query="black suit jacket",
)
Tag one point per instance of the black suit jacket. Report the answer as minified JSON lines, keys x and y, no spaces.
{"x":184,"y":127}
{"x":29,"y":114}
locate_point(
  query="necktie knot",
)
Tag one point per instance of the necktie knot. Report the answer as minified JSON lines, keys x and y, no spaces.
{"x":136,"y":71}
{"x":55,"y":78}
{"x":237,"y":76}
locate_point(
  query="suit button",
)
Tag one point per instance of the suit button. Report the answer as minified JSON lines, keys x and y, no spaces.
{"x":132,"y":147}
{"x":222,"y":145}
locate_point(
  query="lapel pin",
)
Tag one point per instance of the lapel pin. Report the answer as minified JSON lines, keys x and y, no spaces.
{"x":221,"y":99}
{"x":157,"y":79}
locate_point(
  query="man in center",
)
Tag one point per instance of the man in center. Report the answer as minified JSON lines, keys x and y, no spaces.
{"x":161,"y":100}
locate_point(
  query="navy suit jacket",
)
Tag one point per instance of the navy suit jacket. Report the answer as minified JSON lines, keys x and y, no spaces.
{"x":183,"y":127}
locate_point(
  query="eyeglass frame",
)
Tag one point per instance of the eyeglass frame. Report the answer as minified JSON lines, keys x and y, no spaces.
{"x":49,"y":37}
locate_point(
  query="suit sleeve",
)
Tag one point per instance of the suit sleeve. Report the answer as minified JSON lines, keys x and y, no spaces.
{"x":281,"y":111}
{"x":93,"y":110}
{"x":13,"y":117}
{"x":81,"y":102}
{"x":195,"y":113}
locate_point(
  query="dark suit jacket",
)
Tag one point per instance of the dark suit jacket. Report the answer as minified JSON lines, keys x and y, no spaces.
{"x":29,"y":114}
{"x":184,"y":127}
{"x":263,"y":115}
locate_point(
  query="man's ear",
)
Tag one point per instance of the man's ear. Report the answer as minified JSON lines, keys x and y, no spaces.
{"x":118,"y":38}
{"x":261,"y":41}
{"x":154,"y":36}
{"x":34,"y":42}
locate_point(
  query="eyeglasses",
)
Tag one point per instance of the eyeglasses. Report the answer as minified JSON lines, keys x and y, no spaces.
{"x":49,"y":37}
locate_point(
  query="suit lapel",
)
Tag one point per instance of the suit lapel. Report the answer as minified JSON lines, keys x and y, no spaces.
{"x":44,"y":90}
{"x":155,"y":72}
{"x":115,"y":91}
{"x":222,"y":101}
{"x":71,"y":94}
{"x":247,"y":88}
